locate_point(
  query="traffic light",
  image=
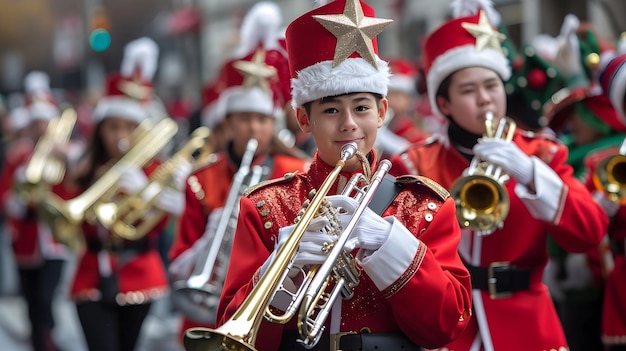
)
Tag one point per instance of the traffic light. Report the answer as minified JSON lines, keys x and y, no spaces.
{"x":99,"y":36}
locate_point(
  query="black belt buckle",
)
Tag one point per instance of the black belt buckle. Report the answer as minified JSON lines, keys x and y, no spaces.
{"x":492,"y":280}
{"x":335,"y":340}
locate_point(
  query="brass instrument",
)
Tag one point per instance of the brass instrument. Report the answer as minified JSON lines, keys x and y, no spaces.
{"x":43,"y":169}
{"x":65,"y":216}
{"x":239,"y":332}
{"x":134,"y":215}
{"x":610,"y":175}
{"x":197,"y":296}
{"x":482,"y":202}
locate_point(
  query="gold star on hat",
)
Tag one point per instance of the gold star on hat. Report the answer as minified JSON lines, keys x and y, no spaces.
{"x":256,"y":72}
{"x":134,"y":89}
{"x":354,"y":32}
{"x":486,"y":36}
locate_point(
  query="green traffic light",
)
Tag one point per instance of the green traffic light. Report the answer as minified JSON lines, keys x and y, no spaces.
{"x":99,"y":40}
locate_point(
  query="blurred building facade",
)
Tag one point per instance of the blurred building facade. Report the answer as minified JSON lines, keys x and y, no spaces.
{"x":195,"y":36}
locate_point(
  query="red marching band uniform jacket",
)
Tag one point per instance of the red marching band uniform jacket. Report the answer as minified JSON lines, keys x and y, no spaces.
{"x":526,"y":320}
{"x":31,"y":239}
{"x":141,"y":275}
{"x":405,"y":304}
{"x":206,"y":191}
{"x":611,"y":263}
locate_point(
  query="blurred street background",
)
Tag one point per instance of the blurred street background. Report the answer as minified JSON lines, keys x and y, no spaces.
{"x":78,"y":42}
{"x":159,"y":333}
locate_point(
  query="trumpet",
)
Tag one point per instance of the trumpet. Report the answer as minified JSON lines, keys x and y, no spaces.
{"x":43,"y":169}
{"x":133,"y":216}
{"x":239,"y":332}
{"x":610,"y":175}
{"x":482,"y":202}
{"x":197,"y":296}
{"x":66,"y":216}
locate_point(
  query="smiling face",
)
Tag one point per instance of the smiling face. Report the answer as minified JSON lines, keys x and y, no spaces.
{"x":472,"y":93}
{"x":337,"y":120}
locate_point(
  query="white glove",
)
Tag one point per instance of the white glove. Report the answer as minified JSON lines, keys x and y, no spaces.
{"x":19,"y":177}
{"x":610,"y":207}
{"x":507,"y":155}
{"x":183,"y":265}
{"x":371,"y":230}
{"x":132,"y":180}
{"x":171,"y":201}
{"x":180,"y":175}
{"x":310,"y":249}
{"x":14,"y":206}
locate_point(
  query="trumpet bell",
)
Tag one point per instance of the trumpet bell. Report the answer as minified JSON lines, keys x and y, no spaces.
{"x":610,"y":176}
{"x":482,"y":203}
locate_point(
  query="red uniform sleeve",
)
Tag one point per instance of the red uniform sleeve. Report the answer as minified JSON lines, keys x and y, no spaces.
{"x":248,"y":253}
{"x":434,"y":306}
{"x":190,"y":225}
{"x":583,"y":222}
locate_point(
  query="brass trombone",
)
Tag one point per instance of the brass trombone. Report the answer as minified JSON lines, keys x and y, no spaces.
{"x":43,"y":169}
{"x":482,"y":202}
{"x":198,"y":295}
{"x":133,"y":216}
{"x":610,"y":175}
{"x":239,"y":332}
{"x":66,"y":216}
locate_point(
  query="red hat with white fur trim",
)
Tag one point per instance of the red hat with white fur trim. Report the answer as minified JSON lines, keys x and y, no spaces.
{"x":613,"y":82}
{"x":332,"y":51}
{"x":245,"y":85}
{"x":403,"y":75}
{"x":128,"y":93}
{"x":469,"y":40}
{"x":40,"y":102}
{"x":256,"y":77}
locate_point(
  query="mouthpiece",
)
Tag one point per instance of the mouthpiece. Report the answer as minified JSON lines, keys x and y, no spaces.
{"x":348,"y":151}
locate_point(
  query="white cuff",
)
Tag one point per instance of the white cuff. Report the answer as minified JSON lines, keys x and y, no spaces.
{"x":385,"y":265}
{"x":546,"y":204}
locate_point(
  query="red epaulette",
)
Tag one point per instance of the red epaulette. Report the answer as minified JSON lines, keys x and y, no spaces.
{"x":435,"y":187}
{"x":288,"y":177}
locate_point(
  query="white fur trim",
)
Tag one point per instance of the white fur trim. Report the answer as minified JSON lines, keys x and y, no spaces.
{"x":36,"y":82}
{"x":351,"y":76}
{"x":121,"y":107}
{"x":237,"y":99}
{"x":249,"y":100}
{"x":19,"y":118}
{"x":393,"y":258}
{"x":210,"y":116}
{"x":402,"y":83}
{"x":617,"y":90}
{"x":41,"y":110}
{"x":463,"y":57}
{"x":548,"y":201}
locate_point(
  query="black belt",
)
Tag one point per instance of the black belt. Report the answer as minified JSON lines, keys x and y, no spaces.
{"x":351,"y":342}
{"x":135,"y":247}
{"x":500,"y":279}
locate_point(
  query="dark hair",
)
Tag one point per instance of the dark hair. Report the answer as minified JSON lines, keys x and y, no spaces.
{"x":95,"y":155}
{"x":307,"y":106}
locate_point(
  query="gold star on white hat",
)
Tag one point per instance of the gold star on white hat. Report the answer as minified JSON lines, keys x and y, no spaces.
{"x":256,"y":72}
{"x":354,"y":32}
{"x":486,"y":36}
